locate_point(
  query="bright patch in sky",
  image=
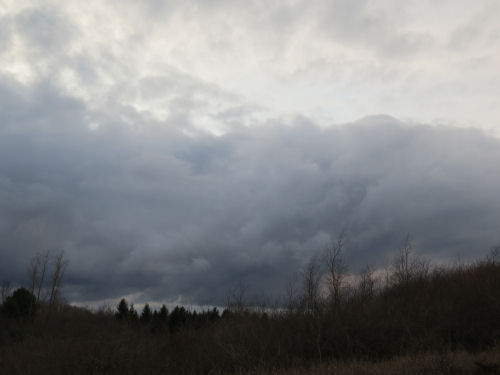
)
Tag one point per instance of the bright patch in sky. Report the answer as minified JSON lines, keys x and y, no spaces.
{"x":332,"y":61}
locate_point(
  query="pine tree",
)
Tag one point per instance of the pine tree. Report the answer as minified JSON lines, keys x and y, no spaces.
{"x":163,"y":313}
{"x":177,"y":319}
{"x":123,"y":311}
{"x":132,"y":313}
{"x":146,"y":314}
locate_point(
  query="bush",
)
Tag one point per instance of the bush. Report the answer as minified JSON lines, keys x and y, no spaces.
{"x":20,"y":304}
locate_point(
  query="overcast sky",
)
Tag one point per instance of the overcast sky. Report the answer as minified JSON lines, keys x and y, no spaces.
{"x":174,"y":149}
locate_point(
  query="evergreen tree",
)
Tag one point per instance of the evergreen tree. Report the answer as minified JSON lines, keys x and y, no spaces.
{"x":20,"y":303}
{"x":123,"y":310}
{"x":146,"y":314}
{"x":132,"y":313}
{"x":214,"y":314}
{"x":163,"y":313}
{"x":177,"y":319}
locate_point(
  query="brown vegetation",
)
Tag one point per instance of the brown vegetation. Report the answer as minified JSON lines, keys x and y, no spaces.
{"x":421,"y":320}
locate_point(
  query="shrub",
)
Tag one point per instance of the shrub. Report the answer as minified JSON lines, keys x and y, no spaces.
{"x":20,"y":304}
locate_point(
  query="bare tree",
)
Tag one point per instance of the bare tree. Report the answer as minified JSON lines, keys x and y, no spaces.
{"x":38,"y":270}
{"x":311,"y":278}
{"x":407,"y":266}
{"x":366,"y":286}
{"x":33,"y":274}
{"x":291,"y":293}
{"x":336,"y":269}
{"x":494,"y":255}
{"x":46,"y":272}
{"x":236,"y":298}
{"x":60,"y":265}
{"x":5,"y":290}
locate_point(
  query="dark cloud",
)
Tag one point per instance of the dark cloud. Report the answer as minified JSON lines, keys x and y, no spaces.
{"x":142,"y":206}
{"x":101,"y":152}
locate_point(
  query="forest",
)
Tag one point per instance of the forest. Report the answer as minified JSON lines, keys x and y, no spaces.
{"x":415,"y":318}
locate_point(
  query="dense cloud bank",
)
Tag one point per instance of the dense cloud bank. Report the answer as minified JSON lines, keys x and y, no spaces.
{"x":164,"y":211}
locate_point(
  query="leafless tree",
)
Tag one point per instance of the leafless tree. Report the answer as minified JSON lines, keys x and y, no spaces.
{"x":366,"y":286}
{"x":311,"y":278}
{"x":407,"y":266}
{"x":236,"y":298}
{"x":46,"y":272}
{"x":5,"y":290}
{"x":336,"y":269}
{"x":38,"y":267}
{"x":291,"y":293}
{"x":494,"y":255}
{"x":60,"y":265}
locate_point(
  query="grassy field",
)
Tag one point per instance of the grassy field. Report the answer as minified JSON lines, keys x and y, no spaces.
{"x":486,"y":362}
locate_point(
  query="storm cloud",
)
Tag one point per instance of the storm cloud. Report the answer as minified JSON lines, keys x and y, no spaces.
{"x":166,"y":214}
{"x":176,"y":149}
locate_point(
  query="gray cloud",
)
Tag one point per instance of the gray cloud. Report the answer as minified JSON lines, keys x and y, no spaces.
{"x":149,"y":209}
{"x":107,"y":145}
{"x":333,"y":61}
{"x":45,"y":29}
{"x":379,"y":29}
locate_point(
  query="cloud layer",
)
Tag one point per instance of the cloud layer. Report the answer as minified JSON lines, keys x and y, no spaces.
{"x":333,"y":61}
{"x":168,"y":214}
{"x":174,"y":149}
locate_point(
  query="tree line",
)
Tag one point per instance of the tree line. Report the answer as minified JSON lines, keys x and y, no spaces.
{"x":324,"y":315}
{"x":175,"y":320}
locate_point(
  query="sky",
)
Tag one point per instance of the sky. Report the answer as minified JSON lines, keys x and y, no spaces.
{"x":176,"y":149}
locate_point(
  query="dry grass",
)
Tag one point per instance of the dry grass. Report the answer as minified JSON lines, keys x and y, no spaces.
{"x":457,"y":309}
{"x":448,"y":363}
